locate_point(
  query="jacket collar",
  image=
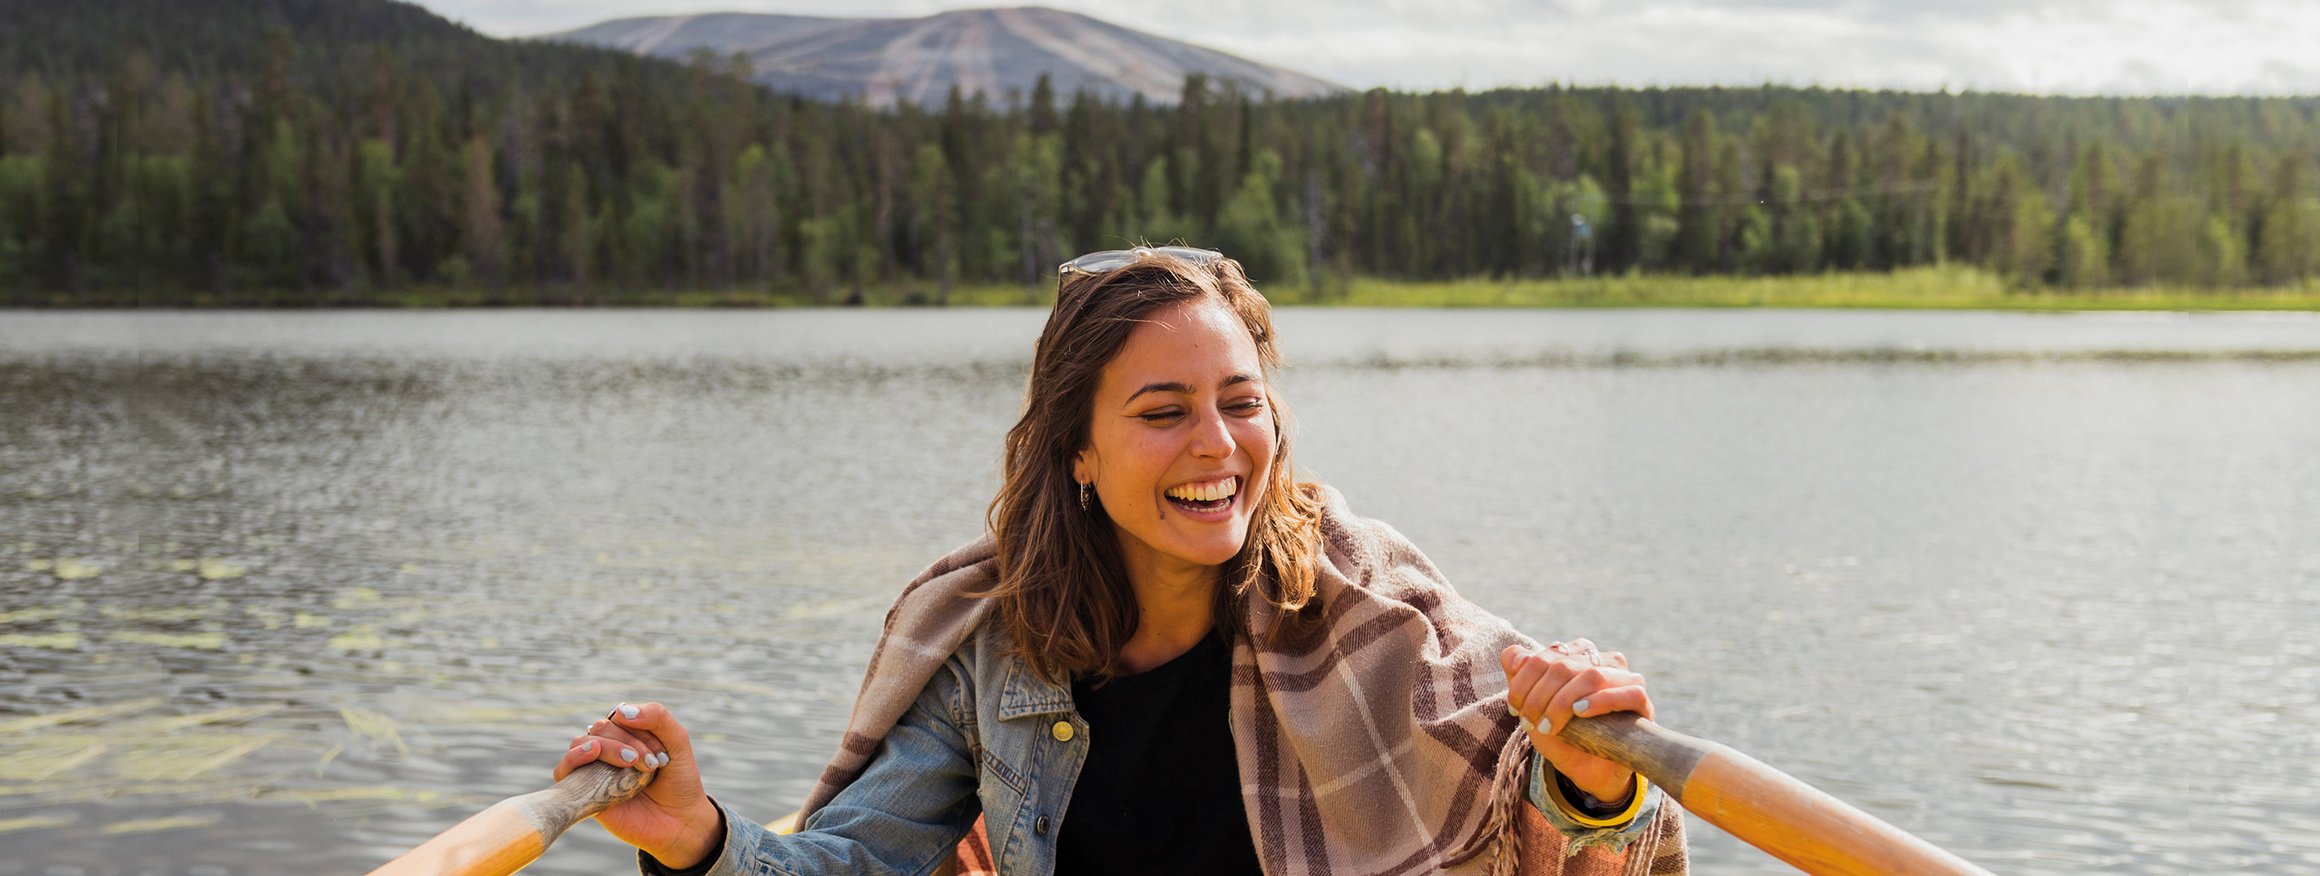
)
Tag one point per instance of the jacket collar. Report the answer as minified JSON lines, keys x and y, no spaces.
{"x":1024,"y":694}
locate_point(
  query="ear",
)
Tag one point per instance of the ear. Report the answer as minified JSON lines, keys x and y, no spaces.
{"x":1083,"y":466}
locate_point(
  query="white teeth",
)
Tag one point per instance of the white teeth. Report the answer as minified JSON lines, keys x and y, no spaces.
{"x":1208,"y":492}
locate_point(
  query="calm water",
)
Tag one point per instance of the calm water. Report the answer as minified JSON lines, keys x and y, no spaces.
{"x":287,"y":593}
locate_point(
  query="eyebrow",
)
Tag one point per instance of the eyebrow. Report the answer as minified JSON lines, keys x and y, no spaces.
{"x":1186,"y":388}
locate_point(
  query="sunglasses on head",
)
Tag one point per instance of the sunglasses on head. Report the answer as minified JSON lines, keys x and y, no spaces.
{"x":1111,"y":260}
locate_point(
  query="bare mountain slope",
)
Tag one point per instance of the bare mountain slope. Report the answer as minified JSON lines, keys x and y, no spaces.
{"x":917,"y":60}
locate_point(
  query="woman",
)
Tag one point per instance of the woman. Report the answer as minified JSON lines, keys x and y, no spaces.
{"x":1051,"y":693}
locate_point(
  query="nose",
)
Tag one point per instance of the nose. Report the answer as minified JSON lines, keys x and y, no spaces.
{"x":1212,"y":438}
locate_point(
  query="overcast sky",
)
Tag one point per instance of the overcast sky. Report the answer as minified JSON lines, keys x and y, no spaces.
{"x":2126,"y":47}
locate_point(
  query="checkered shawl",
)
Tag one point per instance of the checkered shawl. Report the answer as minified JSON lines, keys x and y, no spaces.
{"x":1382,"y":746}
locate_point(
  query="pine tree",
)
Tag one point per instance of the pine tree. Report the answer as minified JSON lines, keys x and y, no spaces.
{"x":483,"y":246}
{"x":2288,"y":240}
{"x":1699,"y":219}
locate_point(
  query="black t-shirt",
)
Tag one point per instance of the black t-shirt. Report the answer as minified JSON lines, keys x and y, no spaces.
{"x":1159,"y":792}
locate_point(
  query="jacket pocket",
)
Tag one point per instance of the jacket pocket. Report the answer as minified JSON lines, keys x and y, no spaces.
{"x":995,"y":767}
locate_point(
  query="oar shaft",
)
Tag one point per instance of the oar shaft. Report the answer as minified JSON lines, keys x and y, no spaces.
{"x":513,"y":832}
{"x":1764,"y":807}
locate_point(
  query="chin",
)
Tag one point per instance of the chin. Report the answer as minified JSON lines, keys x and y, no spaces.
{"x":1215,"y":552}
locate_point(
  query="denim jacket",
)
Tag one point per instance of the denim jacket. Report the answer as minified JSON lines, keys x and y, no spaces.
{"x":985,"y":737}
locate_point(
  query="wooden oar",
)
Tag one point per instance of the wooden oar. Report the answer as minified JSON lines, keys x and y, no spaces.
{"x":513,"y":832}
{"x":1764,"y":807}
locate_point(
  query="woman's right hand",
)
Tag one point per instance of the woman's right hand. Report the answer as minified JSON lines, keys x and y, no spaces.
{"x":672,"y":819}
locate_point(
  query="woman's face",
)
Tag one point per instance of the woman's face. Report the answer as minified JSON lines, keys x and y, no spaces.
{"x":1182,"y":439}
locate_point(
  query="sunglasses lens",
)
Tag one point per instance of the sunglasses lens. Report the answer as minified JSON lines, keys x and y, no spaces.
{"x":1190,"y":254}
{"x":1102,"y":262}
{"x":1114,"y":259}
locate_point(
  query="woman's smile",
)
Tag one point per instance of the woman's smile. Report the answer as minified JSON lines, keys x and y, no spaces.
{"x":1208,"y":501}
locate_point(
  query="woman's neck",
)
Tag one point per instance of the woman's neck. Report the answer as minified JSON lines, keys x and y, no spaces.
{"x":1175,"y":609}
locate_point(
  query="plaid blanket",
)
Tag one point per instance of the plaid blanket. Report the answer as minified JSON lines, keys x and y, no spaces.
{"x":1382,"y":747}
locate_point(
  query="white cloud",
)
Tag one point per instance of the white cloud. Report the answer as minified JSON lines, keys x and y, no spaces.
{"x":2054,"y":46}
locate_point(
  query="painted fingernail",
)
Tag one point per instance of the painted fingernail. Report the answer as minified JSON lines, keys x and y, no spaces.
{"x":588,"y":747}
{"x":1511,"y":710}
{"x":628,"y":755}
{"x":628,"y":711}
{"x":664,"y":758}
{"x":1579,"y":708}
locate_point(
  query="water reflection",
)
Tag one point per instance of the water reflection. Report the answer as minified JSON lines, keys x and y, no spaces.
{"x":309,"y":587}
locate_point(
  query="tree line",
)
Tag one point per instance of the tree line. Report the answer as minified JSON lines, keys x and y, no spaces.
{"x":299,"y":170}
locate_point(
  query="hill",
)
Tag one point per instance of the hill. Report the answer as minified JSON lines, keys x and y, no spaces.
{"x":90,"y":38}
{"x":154,"y":149}
{"x":918,"y":60}
{"x":342,"y":152}
{"x":329,"y":50}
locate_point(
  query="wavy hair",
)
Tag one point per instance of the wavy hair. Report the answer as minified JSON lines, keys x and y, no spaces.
{"x":1062,"y":587}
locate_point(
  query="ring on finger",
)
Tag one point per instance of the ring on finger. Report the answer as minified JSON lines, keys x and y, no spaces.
{"x":1587,"y":647}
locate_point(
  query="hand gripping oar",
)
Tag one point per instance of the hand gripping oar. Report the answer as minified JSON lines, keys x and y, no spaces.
{"x":502,"y":839}
{"x":1764,"y":807}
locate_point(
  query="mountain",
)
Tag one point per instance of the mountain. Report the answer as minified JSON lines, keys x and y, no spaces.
{"x":993,"y":51}
{"x":329,"y":51}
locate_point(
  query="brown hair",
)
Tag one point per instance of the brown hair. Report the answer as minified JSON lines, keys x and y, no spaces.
{"x":1062,"y":587}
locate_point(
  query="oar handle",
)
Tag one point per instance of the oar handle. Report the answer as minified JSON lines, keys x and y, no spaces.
{"x":513,"y":832}
{"x":1764,"y":807}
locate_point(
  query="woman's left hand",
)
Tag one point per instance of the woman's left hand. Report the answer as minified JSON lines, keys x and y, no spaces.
{"x":1549,"y":686}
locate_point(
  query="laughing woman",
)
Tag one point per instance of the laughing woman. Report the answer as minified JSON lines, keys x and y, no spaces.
{"x":1170,"y":656}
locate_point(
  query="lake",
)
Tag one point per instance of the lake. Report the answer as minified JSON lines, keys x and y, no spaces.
{"x":290,"y":592}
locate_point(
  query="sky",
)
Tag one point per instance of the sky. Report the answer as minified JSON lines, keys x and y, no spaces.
{"x":2120,"y":47}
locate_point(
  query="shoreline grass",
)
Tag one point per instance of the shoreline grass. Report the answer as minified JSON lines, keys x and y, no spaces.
{"x":1927,"y":288}
{"x":1923,"y":288}
{"x":1931,"y":288}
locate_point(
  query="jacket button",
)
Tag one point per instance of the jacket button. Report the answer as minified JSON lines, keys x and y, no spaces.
{"x":1040,"y":827}
{"x":1062,"y":731}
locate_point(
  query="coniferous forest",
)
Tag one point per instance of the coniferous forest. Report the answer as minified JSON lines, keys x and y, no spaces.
{"x":331,"y":152}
